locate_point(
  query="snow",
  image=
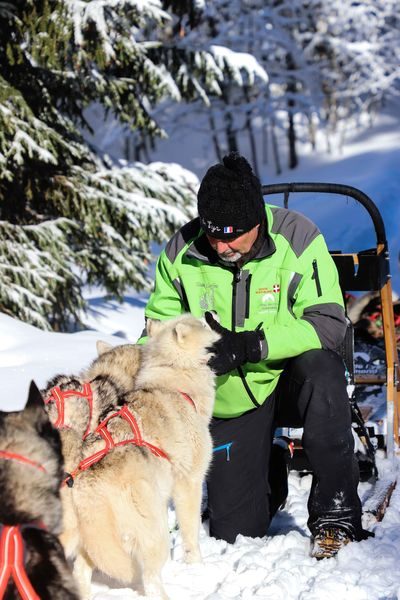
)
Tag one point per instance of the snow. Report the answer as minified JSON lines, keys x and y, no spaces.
{"x":238,"y":61}
{"x":277,"y":566}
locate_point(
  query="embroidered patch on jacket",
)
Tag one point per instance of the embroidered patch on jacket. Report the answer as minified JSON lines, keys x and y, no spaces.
{"x":207,"y":296}
{"x":269,"y":298}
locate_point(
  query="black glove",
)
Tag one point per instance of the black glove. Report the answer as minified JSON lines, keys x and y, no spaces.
{"x":233,"y":349}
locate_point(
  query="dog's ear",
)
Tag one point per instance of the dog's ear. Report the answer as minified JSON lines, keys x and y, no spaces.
{"x":153,"y":326}
{"x":35,"y":403}
{"x":35,"y":398}
{"x":181,"y":332}
{"x":102,"y":347}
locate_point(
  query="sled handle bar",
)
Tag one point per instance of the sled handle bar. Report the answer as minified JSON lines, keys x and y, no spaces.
{"x":333,"y":188}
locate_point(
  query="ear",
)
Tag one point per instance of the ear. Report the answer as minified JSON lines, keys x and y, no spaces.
{"x":35,"y":399}
{"x":181,"y":332}
{"x":153,"y":326}
{"x":35,"y":404}
{"x":102,"y":347}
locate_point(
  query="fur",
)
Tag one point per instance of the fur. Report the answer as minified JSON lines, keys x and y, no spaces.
{"x":29,"y":495}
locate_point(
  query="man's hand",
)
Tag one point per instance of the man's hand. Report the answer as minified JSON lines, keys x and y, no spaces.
{"x":233,"y":349}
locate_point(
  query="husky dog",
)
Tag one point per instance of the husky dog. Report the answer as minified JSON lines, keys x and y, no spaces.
{"x":160,"y":449}
{"x":32,"y":561}
{"x":76,"y":403}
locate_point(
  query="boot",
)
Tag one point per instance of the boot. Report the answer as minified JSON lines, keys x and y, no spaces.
{"x":328,"y":541}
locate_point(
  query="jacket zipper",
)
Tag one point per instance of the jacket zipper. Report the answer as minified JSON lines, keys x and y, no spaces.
{"x":236,"y":278}
{"x":316,"y":277}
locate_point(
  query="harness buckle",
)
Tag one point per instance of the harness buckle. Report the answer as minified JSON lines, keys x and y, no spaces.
{"x":69,"y":480}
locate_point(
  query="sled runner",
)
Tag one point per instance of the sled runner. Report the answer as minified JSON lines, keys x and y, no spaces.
{"x":365,"y":270}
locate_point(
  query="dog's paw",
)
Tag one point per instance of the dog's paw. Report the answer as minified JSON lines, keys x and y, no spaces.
{"x":155,"y":591}
{"x":192,"y":556}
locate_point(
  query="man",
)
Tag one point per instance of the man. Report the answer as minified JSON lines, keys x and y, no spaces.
{"x":266,"y":272}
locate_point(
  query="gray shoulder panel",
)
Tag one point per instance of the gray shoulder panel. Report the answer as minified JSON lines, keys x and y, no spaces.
{"x":295,"y":228}
{"x":182,"y":237}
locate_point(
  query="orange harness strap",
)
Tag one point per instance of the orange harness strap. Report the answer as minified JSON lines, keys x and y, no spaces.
{"x":188,"y":398}
{"x":12,"y":563}
{"x":21,"y":459}
{"x":136,"y":440}
{"x":102,"y":430}
{"x":58,"y":396}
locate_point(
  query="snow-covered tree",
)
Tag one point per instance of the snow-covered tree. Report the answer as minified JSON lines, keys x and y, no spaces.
{"x":326,"y":61}
{"x":263,"y":70}
{"x":68,"y":216}
{"x":356,"y":46}
{"x":210,"y":76}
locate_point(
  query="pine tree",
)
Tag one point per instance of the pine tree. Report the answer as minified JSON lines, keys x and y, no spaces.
{"x":68,"y":216}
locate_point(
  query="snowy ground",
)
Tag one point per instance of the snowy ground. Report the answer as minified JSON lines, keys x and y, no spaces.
{"x":277,"y":566}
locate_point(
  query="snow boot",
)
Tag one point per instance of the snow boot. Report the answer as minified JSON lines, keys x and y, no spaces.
{"x":328,"y":541}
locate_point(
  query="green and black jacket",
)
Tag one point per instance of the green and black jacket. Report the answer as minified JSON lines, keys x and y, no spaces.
{"x":290,"y":287}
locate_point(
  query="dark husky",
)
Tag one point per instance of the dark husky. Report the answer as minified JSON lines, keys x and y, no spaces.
{"x":32,"y":561}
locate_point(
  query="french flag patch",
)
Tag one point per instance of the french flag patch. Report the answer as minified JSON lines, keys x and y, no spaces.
{"x":228,"y":229}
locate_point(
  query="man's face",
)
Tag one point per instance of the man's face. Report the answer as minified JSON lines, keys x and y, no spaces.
{"x":232,"y":250}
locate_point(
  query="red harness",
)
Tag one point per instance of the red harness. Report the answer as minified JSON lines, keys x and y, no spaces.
{"x":58,"y":397}
{"x":12,"y":545}
{"x":22,"y":459}
{"x":188,"y":398}
{"x":102,"y":430}
{"x":12,"y":563}
{"x":136,"y":440}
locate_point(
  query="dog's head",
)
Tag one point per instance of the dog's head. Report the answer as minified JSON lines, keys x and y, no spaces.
{"x":184,"y":341}
{"x":31,"y":466}
{"x":120,"y":362}
{"x":74,"y":410}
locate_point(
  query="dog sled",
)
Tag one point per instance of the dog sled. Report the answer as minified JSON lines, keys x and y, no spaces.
{"x":364,"y":271}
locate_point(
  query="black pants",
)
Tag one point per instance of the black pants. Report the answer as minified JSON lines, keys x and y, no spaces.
{"x":311,"y":394}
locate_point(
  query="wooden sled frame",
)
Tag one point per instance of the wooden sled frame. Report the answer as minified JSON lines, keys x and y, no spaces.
{"x":365,"y":270}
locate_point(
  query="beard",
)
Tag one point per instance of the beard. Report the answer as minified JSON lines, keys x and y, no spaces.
{"x":230,"y":257}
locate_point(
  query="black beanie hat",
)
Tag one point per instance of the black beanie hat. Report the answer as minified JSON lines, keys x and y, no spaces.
{"x":230,"y":200}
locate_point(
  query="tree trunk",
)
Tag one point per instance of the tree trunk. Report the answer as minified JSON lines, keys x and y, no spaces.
{"x":293,"y":160}
{"x":265,"y":141}
{"x":229,"y":124}
{"x":214,"y":136}
{"x":230,"y":132}
{"x":140,"y":152}
{"x":249,"y":127}
{"x":144,"y":147}
{"x":136,"y":148}
{"x":312,"y":131}
{"x":275,"y":148}
{"x":127,"y":148}
{"x":291,"y":134}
